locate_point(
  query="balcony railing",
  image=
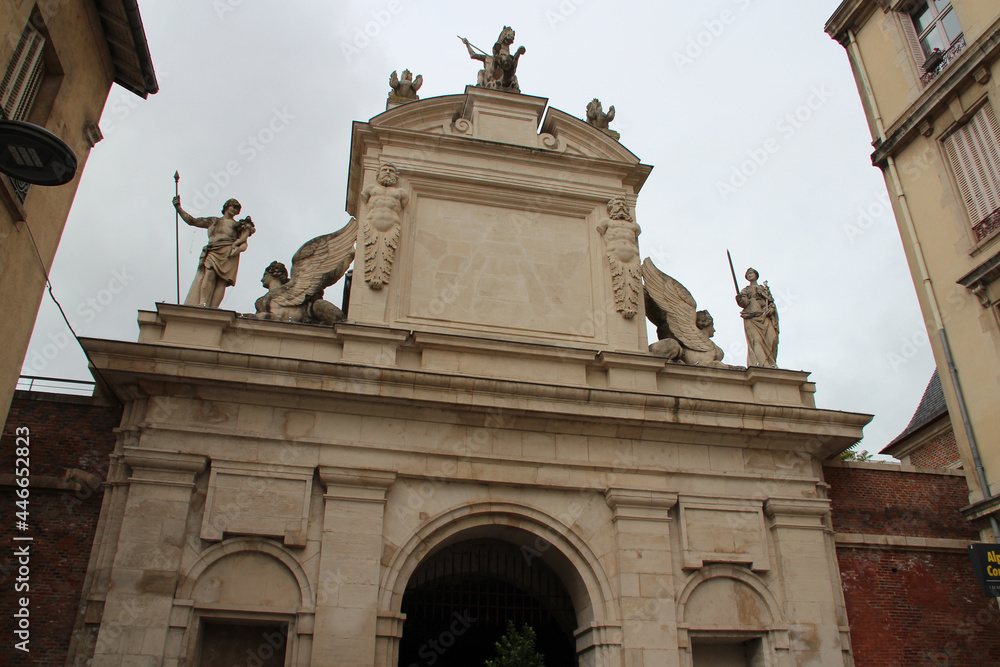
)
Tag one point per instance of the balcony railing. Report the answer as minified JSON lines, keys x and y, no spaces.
{"x":55,"y":385}
{"x":956,"y":48}
{"x":987,"y":225}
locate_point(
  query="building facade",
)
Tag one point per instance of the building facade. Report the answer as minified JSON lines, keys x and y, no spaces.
{"x":928,"y":73}
{"x":485,"y":438}
{"x":59,"y":61}
{"x":900,"y":545}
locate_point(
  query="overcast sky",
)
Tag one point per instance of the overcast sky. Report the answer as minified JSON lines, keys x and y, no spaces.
{"x":746,"y":110}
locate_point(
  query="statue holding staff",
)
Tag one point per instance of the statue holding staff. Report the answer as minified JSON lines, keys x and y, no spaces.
{"x":760,"y":321}
{"x":220,"y":259}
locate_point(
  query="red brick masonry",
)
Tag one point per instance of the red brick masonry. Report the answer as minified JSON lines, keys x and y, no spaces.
{"x":65,"y":432}
{"x":941,"y":452}
{"x":916,"y":603}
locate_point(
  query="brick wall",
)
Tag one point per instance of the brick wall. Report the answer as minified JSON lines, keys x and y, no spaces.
{"x":65,"y":432}
{"x":911,"y":595}
{"x":883,"y":499}
{"x":941,"y":452}
{"x":917,"y":608}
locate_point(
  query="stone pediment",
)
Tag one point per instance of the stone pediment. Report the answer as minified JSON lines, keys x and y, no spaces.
{"x":434,"y":115}
{"x":480,"y":214}
{"x":577,"y":137}
{"x":505,"y":118}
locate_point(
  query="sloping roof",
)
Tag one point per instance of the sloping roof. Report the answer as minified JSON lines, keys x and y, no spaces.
{"x":126,"y":40}
{"x":931,"y":407}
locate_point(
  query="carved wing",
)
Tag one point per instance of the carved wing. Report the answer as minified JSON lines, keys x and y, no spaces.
{"x":317,"y":265}
{"x":417,"y":82}
{"x":394,"y":80}
{"x":610,"y":116}
{"x":669,"y":303}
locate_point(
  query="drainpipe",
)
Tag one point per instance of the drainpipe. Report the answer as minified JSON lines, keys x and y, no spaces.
{"x":925,"y":280}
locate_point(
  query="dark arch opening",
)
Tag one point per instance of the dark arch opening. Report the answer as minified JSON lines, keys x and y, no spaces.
{"x":459,"y":600}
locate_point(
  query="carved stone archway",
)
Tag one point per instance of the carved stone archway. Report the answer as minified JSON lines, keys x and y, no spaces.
{"x":536,"y":535}
{"x":727,"y":604}
{"x":224,"y":565}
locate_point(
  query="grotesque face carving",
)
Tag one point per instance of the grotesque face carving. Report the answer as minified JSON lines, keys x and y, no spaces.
{"x":618,"y":209}
{"x":387,"y":175}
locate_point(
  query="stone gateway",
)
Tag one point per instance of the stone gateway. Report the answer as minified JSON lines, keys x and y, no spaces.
{"x":485,"y":438}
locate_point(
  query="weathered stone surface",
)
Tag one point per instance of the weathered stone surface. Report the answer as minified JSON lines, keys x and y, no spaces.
{"x":760,"y":321}
{"x":220,"y":259}
{"x":491,"y":392}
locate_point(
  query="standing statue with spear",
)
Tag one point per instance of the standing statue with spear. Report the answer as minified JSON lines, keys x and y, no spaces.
{"x":760,"y":319}
{"x":499,"y":69}
{"x":220,"y":259}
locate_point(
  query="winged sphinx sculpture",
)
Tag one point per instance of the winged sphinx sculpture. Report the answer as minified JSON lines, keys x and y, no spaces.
{"x":684,"y":332}
{"x":318,"y":264}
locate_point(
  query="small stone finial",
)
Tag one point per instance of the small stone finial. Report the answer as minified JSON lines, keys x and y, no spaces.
{"x":404,"y":89}
{"x":599,"y":119}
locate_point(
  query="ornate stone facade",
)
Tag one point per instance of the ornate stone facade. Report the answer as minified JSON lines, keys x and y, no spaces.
{"x":485,"y":424}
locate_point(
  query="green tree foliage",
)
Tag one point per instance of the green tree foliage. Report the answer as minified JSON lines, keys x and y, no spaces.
{"x":852,"y":454}
{"x":517,"y":649}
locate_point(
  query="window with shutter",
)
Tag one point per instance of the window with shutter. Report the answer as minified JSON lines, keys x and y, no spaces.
{"x":974,"y":153}
{"x":933,"y":35}
{"x":20,"y":85}
{"x":23,"y":76}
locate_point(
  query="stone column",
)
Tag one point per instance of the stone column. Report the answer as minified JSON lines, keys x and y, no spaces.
{"x":817,"y":633}
{"x":148,"y":557}
{"x":645,"y":575}
{"x":350,"y":558}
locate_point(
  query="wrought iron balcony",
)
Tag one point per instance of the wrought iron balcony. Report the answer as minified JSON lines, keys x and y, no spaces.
{"x":987,"y":225}
{"x":956,"y":48}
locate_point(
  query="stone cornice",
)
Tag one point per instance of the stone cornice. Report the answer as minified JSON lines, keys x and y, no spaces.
{"x":849,"y":14}
{"x":158,"y":459}
{"x":640,"y":504}
{"x":982,"y":509}
{"x":358,"y":485}
{"x":124,"y":364}
{"x":900,"y":542}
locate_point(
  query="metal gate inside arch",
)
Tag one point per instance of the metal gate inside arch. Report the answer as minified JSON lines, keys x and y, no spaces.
{"x":459,"y":600}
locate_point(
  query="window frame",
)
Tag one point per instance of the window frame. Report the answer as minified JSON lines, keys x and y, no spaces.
{"x":935,"y":24}
{"x":938,"y":60}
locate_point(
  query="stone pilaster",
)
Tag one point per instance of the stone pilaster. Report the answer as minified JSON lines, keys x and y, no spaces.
{"x":645,"y":575}
{"x":146,"y":565}
{"x":350,"y":557}
{"x":810,"y":580}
